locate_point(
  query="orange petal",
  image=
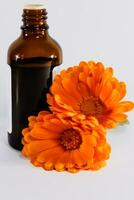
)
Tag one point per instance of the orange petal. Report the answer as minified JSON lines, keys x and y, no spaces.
{"x":42,"y":133}
{"x":35,"y":162}
{"x":50,"y":99}
{"x":89,"y":140}
{"x":71,"y":89}
{"x":91,"y":66}
{"x":119,"y":117}
{"x":122,"y":90}
{"x":54,"y":128}
{"x":25,"y":131}
{"x":102,"y":152}
{"x":83,"y":90}
{"x":32,"y":118}
{"x":37,"y":146}
{"x":98,"y":165}
{"x":99,"y":70}
{"x":91,"y":84}
{"x":28,"y":138}
{"x":108,"y":123}
{"x":73,"y":170}
{"x":64,"y":160}
{"x":80,"y":159}
{"x":107,"y":75}
{"x":124,"y":106}
{"x":85,"y":66}
{"x":64,"y":102}
{"x":87,"y":148}
{"x":50,"y":155}
{"x":48,"y":166}
{"x":66,"y":91}
{"x":113,"y":99}
{"x":25,"y":151}
{"x":105,"y":92}
{"x":82,"y":77}
{"x":54,"y":106}
{"x":104,"y":80}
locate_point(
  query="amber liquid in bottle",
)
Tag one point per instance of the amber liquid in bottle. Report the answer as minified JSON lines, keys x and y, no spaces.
{"x":32,"y":58}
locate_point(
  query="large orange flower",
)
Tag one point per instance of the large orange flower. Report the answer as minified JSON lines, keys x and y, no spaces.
{"x":89,"y":90}
{"x":52,"y":143}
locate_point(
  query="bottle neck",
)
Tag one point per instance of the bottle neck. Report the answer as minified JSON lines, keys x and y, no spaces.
{"x":34,"y":23}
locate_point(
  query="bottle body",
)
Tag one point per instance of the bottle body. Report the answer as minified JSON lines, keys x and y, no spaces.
{"x":32,"y":58}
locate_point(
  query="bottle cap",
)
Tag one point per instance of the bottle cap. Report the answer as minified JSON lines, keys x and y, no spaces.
{"x":34,"y":7}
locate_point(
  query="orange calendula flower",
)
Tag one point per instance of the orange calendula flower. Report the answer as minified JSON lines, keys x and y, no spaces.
{"x":87,"y":90}
{"x":53,"y":143}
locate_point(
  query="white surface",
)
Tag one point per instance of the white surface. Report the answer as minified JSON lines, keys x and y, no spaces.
{"x":88,"y":29}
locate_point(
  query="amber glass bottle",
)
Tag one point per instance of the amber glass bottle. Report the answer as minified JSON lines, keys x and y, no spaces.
{"x":32,"y":58}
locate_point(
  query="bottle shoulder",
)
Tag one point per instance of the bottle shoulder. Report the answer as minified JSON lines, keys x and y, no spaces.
{"x":55,"y":49}
{"x":26,"y":47}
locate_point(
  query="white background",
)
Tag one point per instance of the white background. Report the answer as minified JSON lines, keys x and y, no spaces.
{"x":87,"y":30}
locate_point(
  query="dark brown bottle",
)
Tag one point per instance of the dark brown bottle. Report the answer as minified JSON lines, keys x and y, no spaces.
{"x":32,"y":58}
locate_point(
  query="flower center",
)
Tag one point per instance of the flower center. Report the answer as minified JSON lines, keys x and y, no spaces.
{"x":92,"y":106}
{"x":70,"y":139}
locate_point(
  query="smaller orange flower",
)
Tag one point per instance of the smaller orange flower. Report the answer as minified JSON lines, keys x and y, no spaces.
{"x":52,"y":143}
{"x":87,"y":90}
